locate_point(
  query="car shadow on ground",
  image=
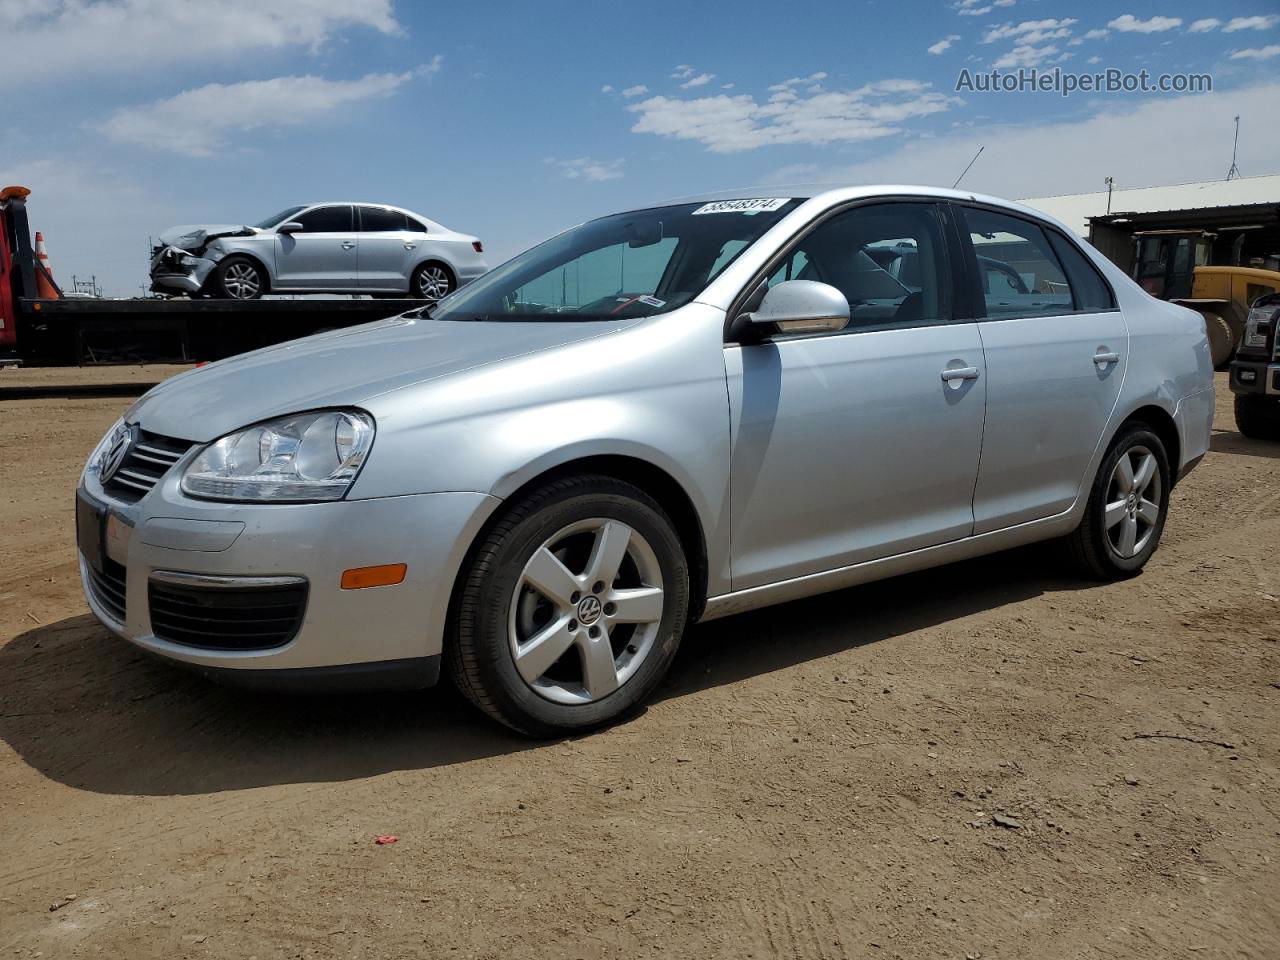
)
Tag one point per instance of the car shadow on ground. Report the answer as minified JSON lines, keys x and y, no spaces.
{"x":1236,"y":443}
{"x":85,"y":709}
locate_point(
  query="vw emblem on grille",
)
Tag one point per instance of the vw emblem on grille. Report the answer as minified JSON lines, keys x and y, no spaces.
{"x":117,"y":449}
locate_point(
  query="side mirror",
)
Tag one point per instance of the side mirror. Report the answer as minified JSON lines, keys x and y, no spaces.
{"x":293,"y":226}
{"x":798,"y":306}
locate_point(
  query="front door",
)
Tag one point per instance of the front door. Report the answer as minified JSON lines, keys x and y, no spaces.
{"x":1056,"y":349}
{"x":321,"y":256}
{"x":864,"y":443}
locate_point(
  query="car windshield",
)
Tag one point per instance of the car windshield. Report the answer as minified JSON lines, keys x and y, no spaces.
{"x":280,"y":217}
{"x":624,"y":266}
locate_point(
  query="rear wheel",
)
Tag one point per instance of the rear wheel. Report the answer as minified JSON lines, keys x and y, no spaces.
{"x":572,"y":608}
{"x":431,"y":281}
{"x":1127,"y":507}
{"x":239,"y":278}
{"x":1258,"y":417}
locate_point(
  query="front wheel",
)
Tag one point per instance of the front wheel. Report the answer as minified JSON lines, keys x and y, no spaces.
{"x":1258,"y":418}
{"x":1127,"y":507}
{"x":431,"y":281}
{"x":572,"y":608}
{"x":239,"y":278}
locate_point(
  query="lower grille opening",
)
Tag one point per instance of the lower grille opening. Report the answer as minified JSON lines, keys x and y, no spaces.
{"x":108,"y":587}
{"x":226,"y":617}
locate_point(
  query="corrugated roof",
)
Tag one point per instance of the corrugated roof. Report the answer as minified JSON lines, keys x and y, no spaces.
{"x":1076,"y":209}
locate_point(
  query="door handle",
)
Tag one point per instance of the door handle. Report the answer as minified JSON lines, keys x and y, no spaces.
{"x":1103,"y":357}
{"x":960,"y":373}
{"x":348,"y":245}
{"x":410,"y":246}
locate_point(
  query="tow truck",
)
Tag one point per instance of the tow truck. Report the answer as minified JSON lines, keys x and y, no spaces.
{"x":39,"y":326}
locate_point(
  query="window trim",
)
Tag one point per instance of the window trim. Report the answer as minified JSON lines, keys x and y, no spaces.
{"x":972,"y":281}
{"x":947,"y":292}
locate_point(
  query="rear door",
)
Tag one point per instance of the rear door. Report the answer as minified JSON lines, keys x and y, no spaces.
{"x":323,"y":255}
{"x":388,"y":249}
{"x":1056,"y":350}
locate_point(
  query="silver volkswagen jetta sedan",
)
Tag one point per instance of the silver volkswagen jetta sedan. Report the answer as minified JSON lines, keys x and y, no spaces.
{"x":658,"y":417}
{"x":318,"y":248}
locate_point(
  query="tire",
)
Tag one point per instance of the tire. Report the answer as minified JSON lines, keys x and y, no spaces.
{"x":238,"y":278}
{"x":506,"y":633}
{"x":1098,"y":547}
{"x":431,"y":281}
{"x":1222,"y":339}
{"x":1258,"y":418}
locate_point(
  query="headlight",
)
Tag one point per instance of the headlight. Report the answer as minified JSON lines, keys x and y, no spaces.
{"x":305,"y":457}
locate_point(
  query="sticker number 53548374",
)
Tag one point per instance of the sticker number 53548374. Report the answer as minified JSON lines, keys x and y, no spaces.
{"x":742,"y":206}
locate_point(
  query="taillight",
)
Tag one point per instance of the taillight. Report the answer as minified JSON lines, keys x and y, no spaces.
{"x":477,"y":246}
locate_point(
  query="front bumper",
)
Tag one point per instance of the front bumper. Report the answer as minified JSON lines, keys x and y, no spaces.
{"x":343,"y":637}
{"x":175,"y":269}
{"x":1252,"y":378}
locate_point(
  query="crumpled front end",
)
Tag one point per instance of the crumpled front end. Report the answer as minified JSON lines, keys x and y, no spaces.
{"x":174,"y":270}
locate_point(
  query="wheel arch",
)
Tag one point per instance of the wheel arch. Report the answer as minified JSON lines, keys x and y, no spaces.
{"x":1163,"y":425}
{"x":435,"y":257}
{"x":652,"y":479}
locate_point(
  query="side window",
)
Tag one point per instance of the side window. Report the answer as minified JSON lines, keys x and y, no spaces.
{"x":413,"y":226}
{"x":326,"y":220}
{"x":380,"y":220}
{"x":886,"y":258}
{"x":1020,"y":273}
{"x":1091,"y":291}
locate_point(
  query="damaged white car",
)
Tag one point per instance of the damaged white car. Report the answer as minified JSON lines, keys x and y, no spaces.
{"x":318,"y":248}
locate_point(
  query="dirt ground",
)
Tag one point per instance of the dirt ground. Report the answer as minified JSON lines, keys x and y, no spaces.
{"x":989,"y":759}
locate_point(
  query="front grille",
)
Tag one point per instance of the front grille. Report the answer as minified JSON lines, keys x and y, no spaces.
{"x":108,"y":587}
{"x":147,"y":461}
{"x":227,"y":618}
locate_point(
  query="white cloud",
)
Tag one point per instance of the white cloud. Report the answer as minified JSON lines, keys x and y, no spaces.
{"x":1128,"y":23}
{"x":585,"y":168}
{"x":701,"y":80}
{"x":1030,"y":31}
{"x":943,"y":45}
{"x":1093,"y":60}
{"x":1252,"y":23}
{"x":638,"y":90}
{"x":1022,"y":160}
{"x":682,"y":72}
{"x":1025,"y":55}
{"x":1096,"y":34}
{"x":1257,"y":53}
{"x":607,"y":88}
{"x":54,"y":38}
{"x":197,"y":122}
{"x":728,"y":124}
{"x":979,"y":8}
{"x":1205,"y":25}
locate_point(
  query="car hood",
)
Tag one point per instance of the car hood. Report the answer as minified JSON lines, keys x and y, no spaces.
{"x":193,"y":236}
{"x":344,"y":368}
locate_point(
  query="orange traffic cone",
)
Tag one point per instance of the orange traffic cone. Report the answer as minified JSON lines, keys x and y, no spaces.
{"x":46,"y":289}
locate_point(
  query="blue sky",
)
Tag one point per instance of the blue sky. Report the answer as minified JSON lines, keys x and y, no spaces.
{"x":514,"y":120}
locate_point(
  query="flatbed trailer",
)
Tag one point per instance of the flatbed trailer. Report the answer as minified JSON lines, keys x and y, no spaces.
{"x":62,"y":331}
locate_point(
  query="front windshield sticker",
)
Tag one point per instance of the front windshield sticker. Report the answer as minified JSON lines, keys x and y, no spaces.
{"x":742,"y":206}
{"x":653,"y":301}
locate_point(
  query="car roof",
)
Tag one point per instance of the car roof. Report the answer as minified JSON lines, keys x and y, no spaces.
{"x":829,"y":194}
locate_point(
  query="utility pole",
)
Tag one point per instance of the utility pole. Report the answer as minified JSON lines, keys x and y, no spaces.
{"x":1235,"y":171}
{"x":1111,"y":182}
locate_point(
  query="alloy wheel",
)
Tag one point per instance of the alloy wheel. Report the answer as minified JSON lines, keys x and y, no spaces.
{"x":242,"y":281}
{"x":1134,"y":498}
{"x":433,"y":283}
{"x":586,"y":611}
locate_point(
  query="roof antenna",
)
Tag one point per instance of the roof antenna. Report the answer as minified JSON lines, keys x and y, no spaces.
{"x":1235,"y":171}
{"x":966,"y":169}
